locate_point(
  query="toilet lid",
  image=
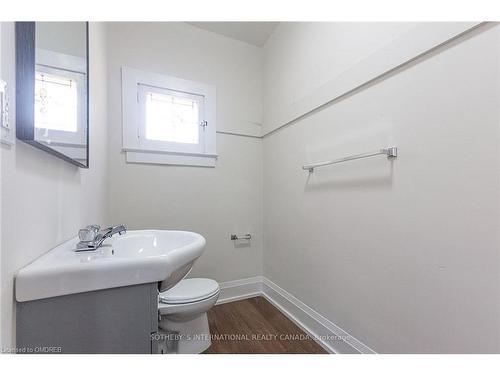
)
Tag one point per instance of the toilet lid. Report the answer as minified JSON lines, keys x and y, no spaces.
{"x":190,"y":290}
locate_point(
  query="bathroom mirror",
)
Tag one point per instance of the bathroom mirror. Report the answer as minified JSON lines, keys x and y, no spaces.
{"x":52,"y":88}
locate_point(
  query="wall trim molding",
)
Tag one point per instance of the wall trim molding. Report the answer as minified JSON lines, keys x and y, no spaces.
{"x":236,"y":134}
{"x":330,"y":336}
{"x":408,"y":47}
{"x":240,"y":289}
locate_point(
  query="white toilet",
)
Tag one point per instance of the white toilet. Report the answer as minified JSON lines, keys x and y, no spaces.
{"x":183,"y":315}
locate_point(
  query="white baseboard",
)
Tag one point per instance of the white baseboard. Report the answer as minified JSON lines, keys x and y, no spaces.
{"x":330,"y":336}
{"x":333,"y":338}
{"x":240,"y":289}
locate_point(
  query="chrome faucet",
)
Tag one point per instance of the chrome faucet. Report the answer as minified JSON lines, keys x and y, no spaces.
{"x":92,"y":237}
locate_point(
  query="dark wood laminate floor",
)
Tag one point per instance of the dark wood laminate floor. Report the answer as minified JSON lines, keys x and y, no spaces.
{"x":255,"y":326}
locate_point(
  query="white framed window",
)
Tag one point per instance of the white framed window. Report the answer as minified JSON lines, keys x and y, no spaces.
{"x":167,"y":120}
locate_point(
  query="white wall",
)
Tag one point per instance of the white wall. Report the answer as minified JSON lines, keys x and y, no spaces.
{"x":301,"y":57}
{"x":62,"y":37}
{"x":212,"y":201}
{"x":45,"y":200}
{"x":1,"y":285}
{"x":403,"y":255}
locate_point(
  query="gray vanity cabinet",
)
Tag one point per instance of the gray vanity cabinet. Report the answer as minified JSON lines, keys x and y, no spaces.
{"x":117,"y":320}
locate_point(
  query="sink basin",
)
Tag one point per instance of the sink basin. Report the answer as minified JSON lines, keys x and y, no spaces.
{"x":137,"y":257}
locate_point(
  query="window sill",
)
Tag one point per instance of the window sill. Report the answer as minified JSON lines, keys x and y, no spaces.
{"x":171,"y":158}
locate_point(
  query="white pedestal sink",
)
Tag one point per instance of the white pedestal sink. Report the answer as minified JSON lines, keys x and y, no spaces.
{"x":137,"y":257}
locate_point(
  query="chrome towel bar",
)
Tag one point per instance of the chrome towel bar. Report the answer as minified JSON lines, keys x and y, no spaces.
{"x":391,"y":152}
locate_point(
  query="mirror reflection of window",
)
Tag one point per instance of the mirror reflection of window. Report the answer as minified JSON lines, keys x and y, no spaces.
{"x":61,"y":97}
{"x":56,"y":102}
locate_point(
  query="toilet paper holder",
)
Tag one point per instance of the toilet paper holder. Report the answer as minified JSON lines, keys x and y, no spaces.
{"x":236,"y":237}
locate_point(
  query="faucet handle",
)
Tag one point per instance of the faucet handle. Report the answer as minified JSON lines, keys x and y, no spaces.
{"x":96,"y":228}
{"x":120,"y":228}
{"x":89,"y":233}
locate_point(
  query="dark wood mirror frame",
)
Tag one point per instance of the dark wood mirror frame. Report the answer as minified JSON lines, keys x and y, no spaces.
{"x":25,"y":90}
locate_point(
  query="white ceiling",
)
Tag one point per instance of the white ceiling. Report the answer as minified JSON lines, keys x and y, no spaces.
{"x":255,"y":33}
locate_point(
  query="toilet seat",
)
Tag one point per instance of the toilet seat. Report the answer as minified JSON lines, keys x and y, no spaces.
{"x":189,"y":291}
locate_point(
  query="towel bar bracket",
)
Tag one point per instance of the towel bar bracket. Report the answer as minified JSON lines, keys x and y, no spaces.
{"x":392,"y":152}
